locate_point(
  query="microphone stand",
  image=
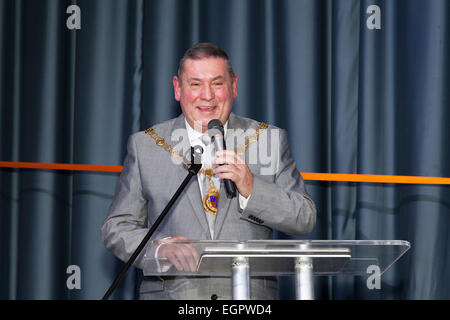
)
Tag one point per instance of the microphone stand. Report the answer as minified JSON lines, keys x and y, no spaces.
{"x":193,"y":170}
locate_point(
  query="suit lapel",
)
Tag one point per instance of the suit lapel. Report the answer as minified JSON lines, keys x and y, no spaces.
{"x":192,"y":189}
{"x":222,"y":211}
{"x":224,"y":202}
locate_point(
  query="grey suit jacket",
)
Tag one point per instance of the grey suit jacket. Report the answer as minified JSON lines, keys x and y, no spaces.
{"x":150,"y":177}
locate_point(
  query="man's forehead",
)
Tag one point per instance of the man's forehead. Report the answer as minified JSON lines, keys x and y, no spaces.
{"x":210,"y":67}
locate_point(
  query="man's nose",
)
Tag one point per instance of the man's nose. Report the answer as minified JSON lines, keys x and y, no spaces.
{"x":207,"y":93}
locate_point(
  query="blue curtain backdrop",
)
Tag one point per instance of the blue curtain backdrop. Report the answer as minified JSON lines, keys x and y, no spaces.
{"x":353,"y":99}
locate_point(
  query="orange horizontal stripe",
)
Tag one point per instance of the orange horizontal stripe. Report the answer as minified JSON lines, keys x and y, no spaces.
{"x":60,"y":166}
{"x":373,"y":178}
{"x":306,"y":175}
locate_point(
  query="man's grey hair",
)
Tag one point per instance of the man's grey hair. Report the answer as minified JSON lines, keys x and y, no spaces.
{"x":204,"y":50}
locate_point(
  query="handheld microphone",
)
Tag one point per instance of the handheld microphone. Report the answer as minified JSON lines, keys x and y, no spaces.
{"x":216,"y":131}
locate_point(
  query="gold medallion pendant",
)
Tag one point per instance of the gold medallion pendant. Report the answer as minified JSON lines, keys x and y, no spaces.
{"x":210,"y":201}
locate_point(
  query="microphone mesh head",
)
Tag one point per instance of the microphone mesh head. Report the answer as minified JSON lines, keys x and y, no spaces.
{"x":216,"y":124}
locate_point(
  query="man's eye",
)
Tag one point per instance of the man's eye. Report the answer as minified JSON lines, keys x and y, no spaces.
{"x":195,"y":84}
{"x":218,"y":83}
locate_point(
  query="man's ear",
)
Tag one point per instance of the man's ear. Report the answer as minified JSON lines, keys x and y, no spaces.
{"x":176,"y":87}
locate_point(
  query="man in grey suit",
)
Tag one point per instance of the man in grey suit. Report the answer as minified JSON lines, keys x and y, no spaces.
{"x":271,"y":193}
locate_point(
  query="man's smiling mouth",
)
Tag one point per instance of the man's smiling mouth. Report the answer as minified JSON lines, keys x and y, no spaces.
{"x":206,"y":108}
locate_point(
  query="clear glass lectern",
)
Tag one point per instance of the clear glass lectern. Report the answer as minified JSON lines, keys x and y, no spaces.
{"x":243,"y":259}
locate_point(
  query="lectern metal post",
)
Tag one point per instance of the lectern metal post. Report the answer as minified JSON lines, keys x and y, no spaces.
{"x":241,"y":278}
{"x":304,"y":282}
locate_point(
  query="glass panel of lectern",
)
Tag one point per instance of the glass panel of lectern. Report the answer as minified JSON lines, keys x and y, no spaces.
{"x":303,"y":258}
